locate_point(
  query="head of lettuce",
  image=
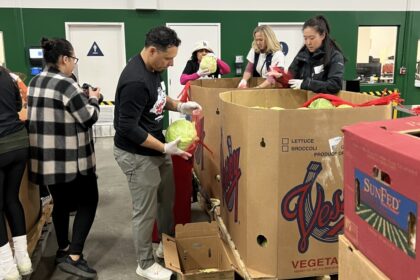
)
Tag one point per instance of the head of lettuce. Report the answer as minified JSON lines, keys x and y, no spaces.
{"x":185,"y":130}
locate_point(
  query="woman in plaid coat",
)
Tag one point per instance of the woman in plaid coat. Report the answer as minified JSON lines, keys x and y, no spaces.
{"x":62,"y":154}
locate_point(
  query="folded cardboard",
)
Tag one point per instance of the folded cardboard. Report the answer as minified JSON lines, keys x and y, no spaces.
{"x":198,"y":252}
{"x":207,"y":165}
{"x":282,"y":179}
{"x":353,"y":265}
{"x":382,"y":172}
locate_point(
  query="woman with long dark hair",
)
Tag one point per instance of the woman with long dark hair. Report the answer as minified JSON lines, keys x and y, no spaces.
{"x":61,"y":116}
{"x":319,"y":65}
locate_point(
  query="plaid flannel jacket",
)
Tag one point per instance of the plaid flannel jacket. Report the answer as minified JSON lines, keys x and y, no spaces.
{"x":60,"y":129}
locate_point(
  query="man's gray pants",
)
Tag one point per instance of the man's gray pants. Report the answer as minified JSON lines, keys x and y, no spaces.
{"x":151,"y":183}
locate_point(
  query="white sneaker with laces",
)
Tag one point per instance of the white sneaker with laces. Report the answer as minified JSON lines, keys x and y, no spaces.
{"x":23,"y":262}
{"x":154,"y":272}
{"x":159,"y":251}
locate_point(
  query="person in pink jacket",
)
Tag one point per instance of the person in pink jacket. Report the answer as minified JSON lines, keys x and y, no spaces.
{"x":192,"y":69}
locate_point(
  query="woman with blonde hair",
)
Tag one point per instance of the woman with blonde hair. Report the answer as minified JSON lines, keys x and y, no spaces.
{"x":264,"y":54}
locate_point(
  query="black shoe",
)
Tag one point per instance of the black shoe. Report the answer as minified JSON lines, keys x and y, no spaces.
{"x":60,"y":256}
{"x":79,"y":268}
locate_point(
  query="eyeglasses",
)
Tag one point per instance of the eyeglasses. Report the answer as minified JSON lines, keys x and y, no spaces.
{"x":75,"y":59}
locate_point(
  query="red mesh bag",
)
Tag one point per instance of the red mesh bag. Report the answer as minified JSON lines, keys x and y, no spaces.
{"x":336,"y":101}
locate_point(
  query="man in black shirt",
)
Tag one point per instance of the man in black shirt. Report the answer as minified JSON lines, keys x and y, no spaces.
{"x":140,"y":147}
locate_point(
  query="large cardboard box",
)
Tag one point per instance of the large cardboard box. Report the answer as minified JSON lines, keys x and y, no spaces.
{"x":282,"y":179}
{"x":198,"y":252}
{"x":382,"y":172}
{"x":207,"y":165}
{"x":353,"y":265}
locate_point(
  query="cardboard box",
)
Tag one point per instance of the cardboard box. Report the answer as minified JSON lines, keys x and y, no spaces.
{"x":352,"y":264}
{"x":382,"y":172}
{"x":198,"y":252}
{"x":282,"y":179}
{"x":207,"y":165}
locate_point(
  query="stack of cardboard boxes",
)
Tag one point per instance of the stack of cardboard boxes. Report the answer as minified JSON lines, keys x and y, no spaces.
{"x":282,"y":179}
{"x":382,"y":170}
{"x":277,"y":173}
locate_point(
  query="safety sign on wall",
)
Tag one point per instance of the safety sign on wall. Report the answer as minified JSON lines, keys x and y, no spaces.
{"x":95,"y":50}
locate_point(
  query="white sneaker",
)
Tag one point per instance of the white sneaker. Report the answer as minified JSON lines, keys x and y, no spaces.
{"x":10,"y":274}
{"x":154,"y":272}
{"x":23,"y":263}
{"x":159,"y":251}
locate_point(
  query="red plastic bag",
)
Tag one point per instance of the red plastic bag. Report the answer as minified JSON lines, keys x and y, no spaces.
{"x":336,"y":101}
{"x":285,"y":77}
{"x":197,"y":119}
{"x":184,"y":95}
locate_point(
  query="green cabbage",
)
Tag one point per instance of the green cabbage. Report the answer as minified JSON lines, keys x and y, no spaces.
{"x":209,"y":62}
{"x":321,"y":103}
{"x":183,"y":129}
{"x":344,"y":106}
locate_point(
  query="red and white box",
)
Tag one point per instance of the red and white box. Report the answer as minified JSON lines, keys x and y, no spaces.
{"x":382,"y":192}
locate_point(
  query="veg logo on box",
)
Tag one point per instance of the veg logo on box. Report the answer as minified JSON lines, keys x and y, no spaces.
{"x":231,"y":172}
{"x":323,"y":220}
{"x":387,"y":211}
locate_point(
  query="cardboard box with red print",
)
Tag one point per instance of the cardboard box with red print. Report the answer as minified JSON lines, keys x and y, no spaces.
{"x":207,"y":163}
{"x":382,"y":172}
{"x":282,"y":179}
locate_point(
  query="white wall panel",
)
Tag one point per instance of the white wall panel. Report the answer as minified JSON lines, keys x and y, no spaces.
{"x":233,"y":5}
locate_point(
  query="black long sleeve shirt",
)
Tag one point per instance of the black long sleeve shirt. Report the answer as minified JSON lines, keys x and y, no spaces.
{"x":139,"y":102}
{"x":10,"y":105}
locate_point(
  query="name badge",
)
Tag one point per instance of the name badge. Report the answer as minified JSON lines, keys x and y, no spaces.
{"x":318,"y":69}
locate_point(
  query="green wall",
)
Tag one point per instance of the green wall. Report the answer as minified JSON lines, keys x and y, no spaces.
{"x":24,"y":27}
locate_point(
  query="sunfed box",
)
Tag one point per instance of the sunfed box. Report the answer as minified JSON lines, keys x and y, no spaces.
{"x":207,"y":165}
{"x":382,"y":175}
{"x":282,"y":179}
{"x":352,"y":264}
{"x":198,"y":252}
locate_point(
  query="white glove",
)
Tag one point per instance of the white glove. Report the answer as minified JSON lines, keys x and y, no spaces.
{"x":203,"y":72}
{"x":188,"y":107}
{"x":171,"y":148}
{"x":295,"y":83}
{"x":242,"y":84}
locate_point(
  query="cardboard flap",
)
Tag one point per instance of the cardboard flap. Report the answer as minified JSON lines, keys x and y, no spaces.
{"x":171,"y":253}
{"x":257,"y":274}
{"x":196,"y":230}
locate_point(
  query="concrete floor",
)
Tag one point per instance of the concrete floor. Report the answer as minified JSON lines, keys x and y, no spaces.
{"x":109,"y":248}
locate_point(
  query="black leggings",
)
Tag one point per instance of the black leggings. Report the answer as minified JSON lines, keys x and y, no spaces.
{"x":12,"y":167}
{"x":81,"y":195}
